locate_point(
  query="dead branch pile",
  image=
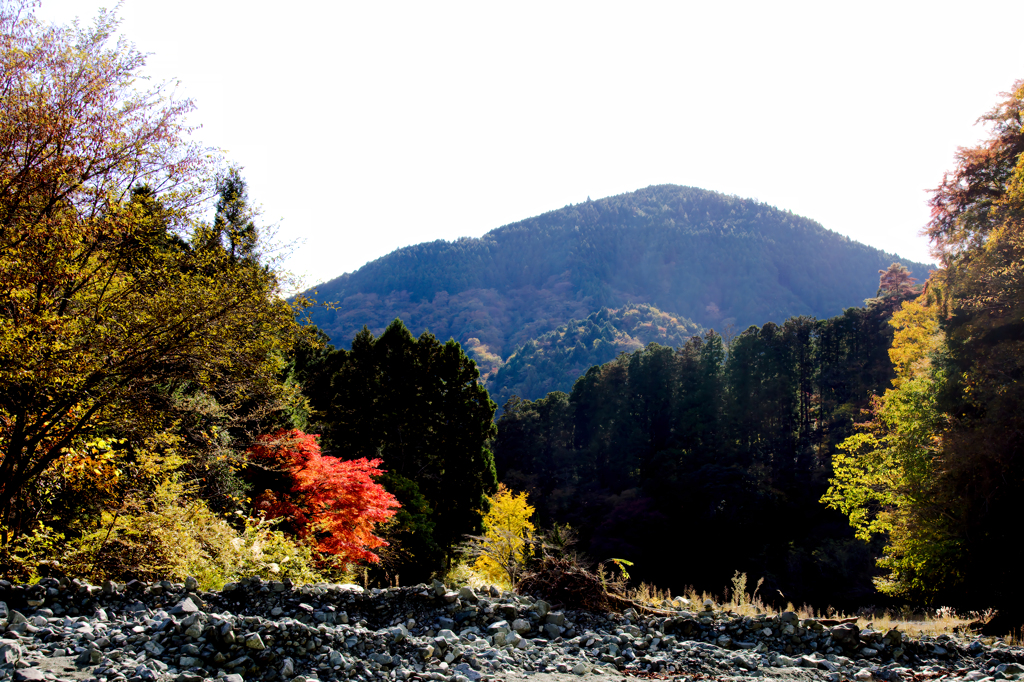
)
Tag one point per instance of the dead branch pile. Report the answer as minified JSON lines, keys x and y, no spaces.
{"x":565,"y":581}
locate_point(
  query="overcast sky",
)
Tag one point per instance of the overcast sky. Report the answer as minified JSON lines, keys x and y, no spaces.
{"x":366,"y":126}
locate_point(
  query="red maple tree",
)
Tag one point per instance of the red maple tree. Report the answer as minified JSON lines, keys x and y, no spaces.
{"x":333,"y":504}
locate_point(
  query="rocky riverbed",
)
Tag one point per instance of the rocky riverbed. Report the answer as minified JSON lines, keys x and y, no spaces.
{"x":258,"y":630}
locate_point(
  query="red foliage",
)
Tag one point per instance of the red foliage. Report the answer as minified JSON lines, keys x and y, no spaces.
{"x":334,"y":504}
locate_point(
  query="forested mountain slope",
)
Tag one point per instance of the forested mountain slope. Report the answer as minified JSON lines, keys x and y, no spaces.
{"x":555,"y":360}
{"x":709,"y":257}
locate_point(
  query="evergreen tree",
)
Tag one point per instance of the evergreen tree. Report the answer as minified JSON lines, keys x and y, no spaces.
{"x":418,"y":405}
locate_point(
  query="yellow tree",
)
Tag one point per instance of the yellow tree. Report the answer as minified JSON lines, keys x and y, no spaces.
{"x":508,"y":535}
{"x":885,"y":477}
{"x":112,"y":293}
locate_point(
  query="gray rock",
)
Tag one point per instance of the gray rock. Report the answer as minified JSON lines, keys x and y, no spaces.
{"x":846,"y":634}
{"x":10,"y":652}
{"x":466,"y":671}
{"x":191,"y":584}
{"x":255,"y":642}
{"x":521,"y":625}
{"x":185,"y":607}
{"x":153,"y":648}
{"x":29,"y":675}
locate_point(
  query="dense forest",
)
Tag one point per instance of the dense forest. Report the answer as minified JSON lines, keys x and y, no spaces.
{"x":554,"y":360}
{"x":705,"y":256}
{"x":698,"y":461}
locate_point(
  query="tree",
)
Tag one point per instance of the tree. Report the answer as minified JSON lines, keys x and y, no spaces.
{"x":418,"y":405}
{"x":885,"y":478}
{"x":508,"y":533}
{"x":895,"y":281}
{"x":112,"y":293}
{"x":333,"y":504}
{"x":977,"y":232}
{"x":941,"y":468}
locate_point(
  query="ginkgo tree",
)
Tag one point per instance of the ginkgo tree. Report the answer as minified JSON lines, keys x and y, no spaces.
{"x":507,"y":542}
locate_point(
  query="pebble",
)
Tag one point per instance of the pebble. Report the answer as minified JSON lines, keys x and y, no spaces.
{"x":277,"y":632}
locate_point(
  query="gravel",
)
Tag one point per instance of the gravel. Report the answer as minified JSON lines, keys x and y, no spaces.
{"x":259,"y":630}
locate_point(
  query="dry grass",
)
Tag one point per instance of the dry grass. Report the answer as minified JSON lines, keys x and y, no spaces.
{"x":932,"y":622}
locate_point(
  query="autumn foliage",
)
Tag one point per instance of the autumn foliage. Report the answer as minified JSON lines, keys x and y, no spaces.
{"x":333,"y":504}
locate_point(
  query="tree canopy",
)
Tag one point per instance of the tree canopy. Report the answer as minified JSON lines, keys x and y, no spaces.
{"x":417,"y":405}
{"x":939,"y":470}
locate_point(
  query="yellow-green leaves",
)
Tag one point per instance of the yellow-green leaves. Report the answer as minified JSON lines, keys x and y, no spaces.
{"x":508,"y":533}
{"x":883,"y":478}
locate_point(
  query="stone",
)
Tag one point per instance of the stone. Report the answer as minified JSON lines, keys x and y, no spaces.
{"x":863,"y":675}
{"x":10,"y":652}
{"x":185,"y":607}
{"x":28,"y":675}
{"x":467,"y":594}
{"x":521,"y":625}
{"x":255,"y":642}
{"x":580,"y":669}
{"x":467,"y":672}
{"x":153,"y":648}
{"x":191,"y":584}
{"x":542,"y":608}
{"x":846,"y":634}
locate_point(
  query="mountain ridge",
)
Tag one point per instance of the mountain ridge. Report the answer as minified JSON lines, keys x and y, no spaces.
{"x":712,"y":258}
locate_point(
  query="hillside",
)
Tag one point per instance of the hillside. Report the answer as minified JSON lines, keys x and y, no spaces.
{"x":712,"y":258}
{"x":554,"y":360}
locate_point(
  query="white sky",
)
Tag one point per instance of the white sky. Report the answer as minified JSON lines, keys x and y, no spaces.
{"x":366,"y":126}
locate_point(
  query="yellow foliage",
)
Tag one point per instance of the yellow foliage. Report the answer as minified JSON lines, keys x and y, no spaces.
{"x":508,"y":534}
{"x":884,"y":477}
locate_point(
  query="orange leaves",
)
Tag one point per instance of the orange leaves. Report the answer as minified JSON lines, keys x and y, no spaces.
{"x":333,"y":504}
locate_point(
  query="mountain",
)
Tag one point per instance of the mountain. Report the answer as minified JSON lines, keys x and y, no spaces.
{"x":718,"y":260}
{"x":556,"y":359}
